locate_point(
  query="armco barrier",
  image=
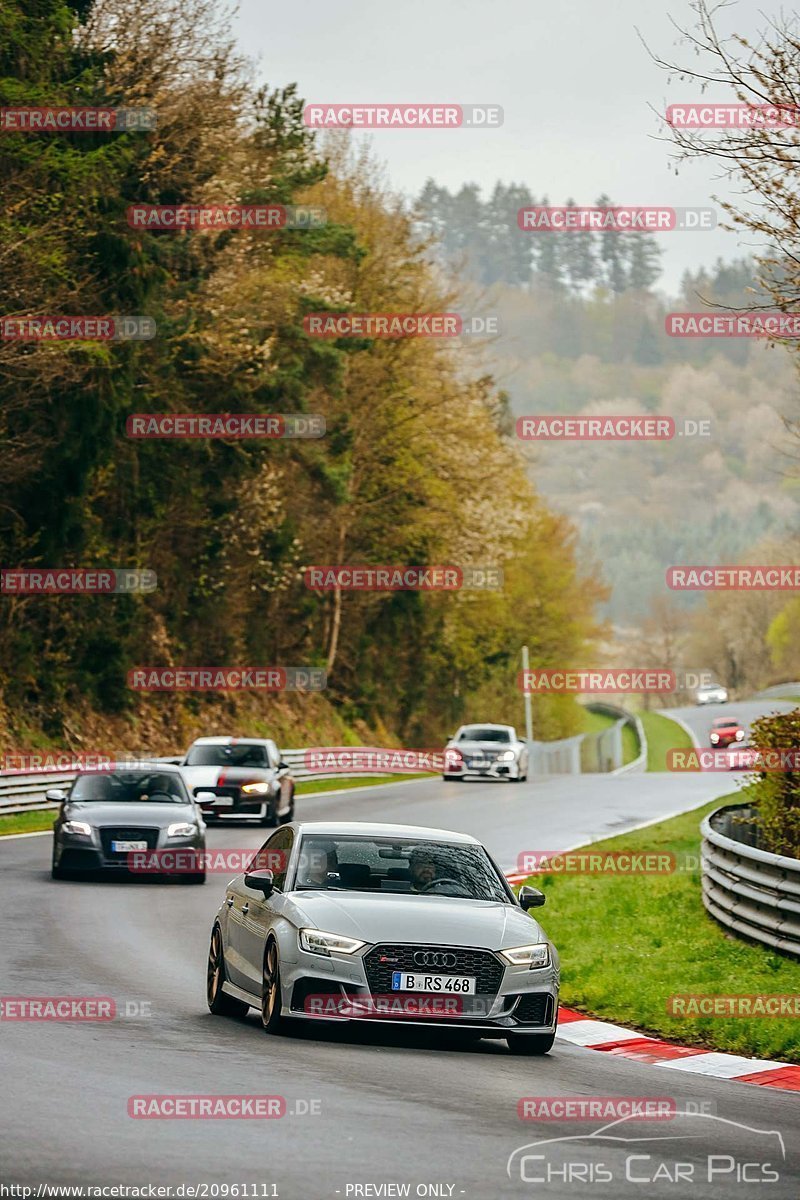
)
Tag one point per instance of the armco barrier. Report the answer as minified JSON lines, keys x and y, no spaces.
{"x":603,"y":751}
{"x":751,"y":892}
{"x":25,"y":792}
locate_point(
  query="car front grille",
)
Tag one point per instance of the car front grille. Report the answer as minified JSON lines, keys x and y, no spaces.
{"x":534,"y":1008}
{"x":125,"y":833}
{"x":381,"y":961}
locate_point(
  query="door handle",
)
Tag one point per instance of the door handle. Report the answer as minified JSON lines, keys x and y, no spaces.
{"x":229,"y":901}
{"x":245,"y":909}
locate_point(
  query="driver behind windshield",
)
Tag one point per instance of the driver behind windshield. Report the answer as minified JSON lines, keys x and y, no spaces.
{"x":423,"y":869}
{"x":318,"y":862}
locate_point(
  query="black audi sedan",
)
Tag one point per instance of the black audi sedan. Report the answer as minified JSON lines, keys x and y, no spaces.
{"x":138,"y":819}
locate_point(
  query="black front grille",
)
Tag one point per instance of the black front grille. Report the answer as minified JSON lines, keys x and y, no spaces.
{"x":383,"y":960}
{"x":125,"y":833}
{"x":534,"y":1008}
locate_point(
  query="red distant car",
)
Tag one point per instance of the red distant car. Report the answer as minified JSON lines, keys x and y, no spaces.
{"x":725,"y":731}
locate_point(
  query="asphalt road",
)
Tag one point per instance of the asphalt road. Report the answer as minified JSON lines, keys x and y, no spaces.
{"x":700,"y":718}
{"x":386,"y":1108}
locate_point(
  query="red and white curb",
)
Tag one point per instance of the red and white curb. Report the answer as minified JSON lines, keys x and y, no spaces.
{"x":627,"y":1043}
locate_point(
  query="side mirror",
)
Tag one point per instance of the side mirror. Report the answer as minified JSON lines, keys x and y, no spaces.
{"x":531,"y":897}
{"x":283,"y":766}
{"x":205,"y":798}
{"x":57,"y":795}
{"x":260,"y":881}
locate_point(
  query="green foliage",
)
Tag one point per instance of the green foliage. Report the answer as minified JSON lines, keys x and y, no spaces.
{"x":777,"y":793}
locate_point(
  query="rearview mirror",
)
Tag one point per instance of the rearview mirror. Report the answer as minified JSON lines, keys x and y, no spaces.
{"x":57,"y":795}
{"x":260,"y":881}
{"x":205,"y":797}
{"x":283,"y":766}
{"x":530,"y":897}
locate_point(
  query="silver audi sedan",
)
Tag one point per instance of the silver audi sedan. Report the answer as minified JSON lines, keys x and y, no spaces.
{"x":352,"y":921}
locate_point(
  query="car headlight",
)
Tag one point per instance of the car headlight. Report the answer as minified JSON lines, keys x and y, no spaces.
{"x":506,"y":756}
{"x":181,"y":829}
{"x":258,"y":789}
{"x":317,"y":942}
{"x":715,"y":737}
{"x":77,"y":827}
{"x":534,"y":956}
{"x":739,"y":735}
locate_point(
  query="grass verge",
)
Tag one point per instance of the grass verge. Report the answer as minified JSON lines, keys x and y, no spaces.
{"x":628,"y":944}
{"x":596,"y":722}
{"x":35,"y":822}
{"x":662,"y":735}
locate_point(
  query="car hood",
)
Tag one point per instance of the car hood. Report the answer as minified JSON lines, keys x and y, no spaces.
{"x":487,"y":747}
{"x":196,"y":777}
{"x":97,"y":812}
{"x":440,"y":920}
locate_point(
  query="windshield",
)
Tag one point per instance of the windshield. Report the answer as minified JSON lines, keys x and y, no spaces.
{"x":227,"y":756}
{"x":130,"y":787}
{"x":477,"y":733}
{"x":406,"y":866}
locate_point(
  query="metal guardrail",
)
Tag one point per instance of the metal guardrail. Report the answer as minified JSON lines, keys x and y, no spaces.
{"x":751,"y":892}
{"x":606,"y":747}
{"x":22,"y":791}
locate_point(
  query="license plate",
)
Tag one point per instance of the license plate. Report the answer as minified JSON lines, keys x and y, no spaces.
{"x":479,"y":764}
{"x":122,"y":847}
{"x":460,"y":985}
{"x":220,"y":802}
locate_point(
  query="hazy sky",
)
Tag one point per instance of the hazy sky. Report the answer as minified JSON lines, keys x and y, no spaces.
{"x":573,"y":78}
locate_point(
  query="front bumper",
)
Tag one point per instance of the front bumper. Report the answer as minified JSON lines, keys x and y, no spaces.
{"x":244,"y":808}
{"x":494,"y":770}
{"x":339,"y":989}
{"x":173,"y":856}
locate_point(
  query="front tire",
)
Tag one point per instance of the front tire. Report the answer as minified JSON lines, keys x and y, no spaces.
{"x":290,"y":814}
{"x":271,"y":1018}
{"x":532,"y":1043}
{"x":219,"y":1002}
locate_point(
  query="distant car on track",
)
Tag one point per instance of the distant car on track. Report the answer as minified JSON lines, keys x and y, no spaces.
{"x":489,"y":751}
{"x":112,"y":814}
{"x":712,"y":693}
{"x":725,"y":731}
{"x":241,"y":779}
{"x":384,"y":923}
